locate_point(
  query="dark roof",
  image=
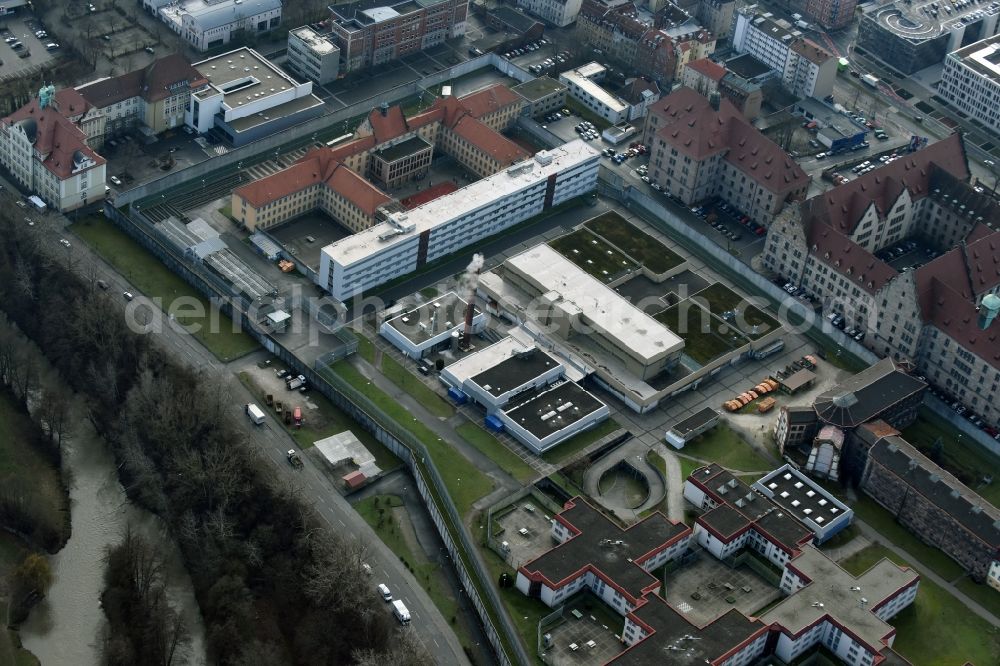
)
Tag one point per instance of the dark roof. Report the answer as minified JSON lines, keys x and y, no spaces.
{"x":800,"y":496}
{"x":520,"y":21}
{"x":866,"y":395}
{"x":939,"y":487}
{"x":741,"y":507}
{"x":674,"y":640}
{"x":533,"y":410}
{"x":801,"y":414}
{"x":603,"y":547}
{"x":514,"y":371}
{"x":152,"y":82}
{"x":695,"y":421}
{"x":690,"y":125}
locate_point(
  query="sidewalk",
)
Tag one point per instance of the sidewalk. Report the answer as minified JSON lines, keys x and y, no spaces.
{"x":868,"y":531}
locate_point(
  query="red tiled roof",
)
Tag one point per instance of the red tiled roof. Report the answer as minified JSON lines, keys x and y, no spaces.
{"x":706,"y":67}
{"x":153,"y":82}
{"x":387,"y":124}
{"x":847,"y":257}
{"x":494,"y":144}
{"x":490,"y":99}
{"x":692,"y":127}
{"x":71,"y":103}
{"x":845,"y":204}
{"x":319,"y":166}
{"x":57,"y":139}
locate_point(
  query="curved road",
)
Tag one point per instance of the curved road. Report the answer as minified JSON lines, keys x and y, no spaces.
{"x":273,"y":443}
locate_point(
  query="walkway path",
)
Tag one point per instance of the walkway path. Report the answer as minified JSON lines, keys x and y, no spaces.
{"x":675,"y":482}
{"x":925,"y":571}
{"x":632,"y":452}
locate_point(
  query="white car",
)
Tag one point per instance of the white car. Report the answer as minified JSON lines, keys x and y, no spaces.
{"x":115,"y":180}
{"x":64,"y":242}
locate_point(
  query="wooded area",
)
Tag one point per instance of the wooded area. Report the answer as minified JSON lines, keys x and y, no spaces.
{"x":273,"y":585}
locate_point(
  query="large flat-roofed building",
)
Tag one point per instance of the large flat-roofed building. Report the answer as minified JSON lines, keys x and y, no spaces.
{"x":806,"y":69}
{"x":314,"y":54}
{"x":933,"y":504}
{"x":911,"y":36}
{"x":492,"y":376}
{"x":247,"y":98}
{"x":549,"y":417}
{"x":409,"y":240}
{"x":807,"y":501}
{"x":208,"y":24}
{"x":596,"y":553}
{"x":589,"y":93}
{"x":430,"y":326}
{"x":541,"y":95}
{"x":970,"y":81}
{"x":576,"y":307}
{"x":737,"y":517}
{"x":846,"y":614}
{"x":373,"y":32}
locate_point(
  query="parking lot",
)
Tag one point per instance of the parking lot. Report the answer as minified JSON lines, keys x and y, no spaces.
{"x":526,"y":530}
{"x":22,"y":52}
{"x":707,"y":588}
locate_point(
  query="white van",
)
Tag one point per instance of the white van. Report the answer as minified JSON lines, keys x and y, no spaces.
{"x":383,"y":589}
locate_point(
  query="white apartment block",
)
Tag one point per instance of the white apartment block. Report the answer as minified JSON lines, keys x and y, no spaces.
{"x":559,"y":13}
{"x":313,"y":55}
{"x":970,"y":81}
{"x":408,"y":240}
{"x":806,"y":69}
{"x":581,"y":87}
{"x":206,"y":25}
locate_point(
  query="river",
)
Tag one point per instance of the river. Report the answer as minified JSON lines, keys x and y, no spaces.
{"x":65,"y":628}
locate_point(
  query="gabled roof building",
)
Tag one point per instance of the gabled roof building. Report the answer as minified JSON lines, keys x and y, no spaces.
{"x":940,"y":316}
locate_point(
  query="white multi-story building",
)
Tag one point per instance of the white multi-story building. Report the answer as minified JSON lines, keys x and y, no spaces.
{"x":806,"y":69}
{"x":970,"y":81}
{"x":314,"y":55}
{"x":48,"y":154}
{"x":581,"y":85}
{"x":206,"y":25}
{"x":409,"y":240}
{"x":246,"y":97}
{"x":559,"y":13}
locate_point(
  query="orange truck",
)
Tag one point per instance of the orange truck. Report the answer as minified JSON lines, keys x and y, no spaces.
{"x":297,"y":416}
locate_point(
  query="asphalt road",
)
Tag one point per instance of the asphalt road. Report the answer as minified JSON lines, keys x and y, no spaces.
{"x":273,"y":443}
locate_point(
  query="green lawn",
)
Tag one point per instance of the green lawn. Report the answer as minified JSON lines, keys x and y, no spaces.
{"x":984,"y":595}
{"x":586,"y":114}
{"x":366,"y":348}
{"x":322,"y":422}
{"x":721,"y":298}
{"x":704,"y":337}
{"x":637,"y":244}
{"x":578,"y":442}
{"x":936,"y":629}
{"x":524,"y":611}
{"x":497,"y":452}
{"x":688,"y":466}
{"x":724,"y":446}
{"x":465,"y":483}
{"x":212,"y":328}
{"x":593,"y":254}
{"x":872,"y":513}
{"x":962,"y":457}
{"x":377,"y":512}
{"x":407,"y":381}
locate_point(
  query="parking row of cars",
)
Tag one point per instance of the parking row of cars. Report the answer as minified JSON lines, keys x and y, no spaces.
{"x":561,"y":58}
{"x":587,"y":131}
{"x":527,"y":48}
{"x":960,"y":409}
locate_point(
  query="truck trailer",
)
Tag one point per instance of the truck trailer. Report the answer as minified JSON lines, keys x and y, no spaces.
{"x":400,"y":612}
{"x":870,"y":80}
{"x":255,"y":413}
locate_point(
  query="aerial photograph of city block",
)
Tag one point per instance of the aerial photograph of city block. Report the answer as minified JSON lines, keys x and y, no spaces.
{"x":500,"y":332}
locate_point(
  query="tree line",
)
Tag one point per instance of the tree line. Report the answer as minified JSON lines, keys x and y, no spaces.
{"x":273,"y":584}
